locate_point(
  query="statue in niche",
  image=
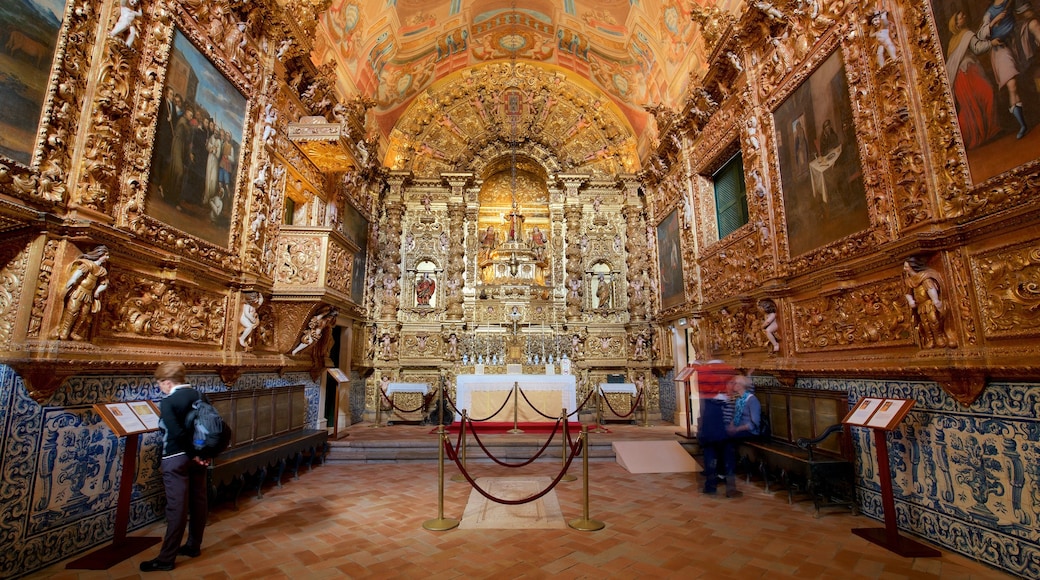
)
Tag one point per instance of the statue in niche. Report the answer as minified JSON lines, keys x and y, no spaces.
{"x":451,"y":351}
{"x":924,"y":296}
{"x":488,"y":241}
{"x":88,"y":279}
{"x":603,"y":291}
{"x":769,"y":323}
{"x":424,"y":289}
{"x":538,"y":241}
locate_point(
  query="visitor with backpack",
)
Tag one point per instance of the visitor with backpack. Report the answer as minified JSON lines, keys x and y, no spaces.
{"x":183,"y":470}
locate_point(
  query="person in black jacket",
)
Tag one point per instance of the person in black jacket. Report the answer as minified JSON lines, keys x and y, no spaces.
{"x":184,"y":474}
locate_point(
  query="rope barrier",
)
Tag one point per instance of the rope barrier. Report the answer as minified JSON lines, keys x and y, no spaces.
{"x":635,"y":405}
{"x":526,"y":400}
{"x":524,"y":463}
{"x":451,"y":455}
{"x":394,"y":407}
{"x":488,"y":418}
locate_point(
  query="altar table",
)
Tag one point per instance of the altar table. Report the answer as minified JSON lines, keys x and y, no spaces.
{"x":621,"y":396}
{"x":482,"y":395}
{"x":407,"y":396}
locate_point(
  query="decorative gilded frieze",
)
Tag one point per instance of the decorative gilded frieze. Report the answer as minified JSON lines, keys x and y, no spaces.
{"x":1007,"y":289}
{"x":871,"y":316}
{"x":138,"y":306}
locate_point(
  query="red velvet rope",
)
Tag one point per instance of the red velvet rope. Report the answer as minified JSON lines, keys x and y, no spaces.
{"x":635,"y":405}
{"x":398,"y":409}
{"x":524,"y":463}
{"x":454,"y":457}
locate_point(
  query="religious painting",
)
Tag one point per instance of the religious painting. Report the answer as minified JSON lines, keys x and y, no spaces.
{"x":669,"y":254}
{"x":991,"y":49}
{"x":198,"y":143}
{"x":355,"y":227}
{"x":824,"y":196}
{"x":28,"y":36}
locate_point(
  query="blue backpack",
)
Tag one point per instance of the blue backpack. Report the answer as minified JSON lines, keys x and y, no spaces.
{"x":210,"y":434}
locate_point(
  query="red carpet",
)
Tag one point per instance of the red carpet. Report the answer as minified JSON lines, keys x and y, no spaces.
{"x":490,"y":428}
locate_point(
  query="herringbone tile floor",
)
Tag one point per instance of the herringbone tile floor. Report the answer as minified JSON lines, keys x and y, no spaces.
{"x":365,"y":521}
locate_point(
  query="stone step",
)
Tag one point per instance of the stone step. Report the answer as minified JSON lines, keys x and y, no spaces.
{"x":346,"y":451}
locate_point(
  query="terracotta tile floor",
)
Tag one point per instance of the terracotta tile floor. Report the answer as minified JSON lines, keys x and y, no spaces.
{"x":364,"y":520}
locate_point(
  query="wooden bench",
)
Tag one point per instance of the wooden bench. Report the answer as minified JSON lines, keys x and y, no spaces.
{"x":802,"y":451}
{"x":267,"y":434}
{"x":826,"y":479}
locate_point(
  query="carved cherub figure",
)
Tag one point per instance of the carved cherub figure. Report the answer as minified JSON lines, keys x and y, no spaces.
{"x":769,"y":323}
{"x":128,"y":13}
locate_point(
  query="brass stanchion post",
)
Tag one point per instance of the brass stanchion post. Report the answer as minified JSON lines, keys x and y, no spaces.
{"x":566,"y":476}
{"x":516,"y":408}
{"x":441,"y":523}
{"x":462,"y":441}
{"x":379,"y":407}
{"x":646,"y":417}
{"x":599,"y":412}
{"x":585,"y":524}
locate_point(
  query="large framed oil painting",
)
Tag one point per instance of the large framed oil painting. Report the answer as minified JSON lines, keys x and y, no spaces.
{"x":198,"y":143}
{"x":28,"y":36}
{"x":824,"y":196}
{"x":355,"y":227}
{"x":991,"y":48}
{"x":669,"y":254}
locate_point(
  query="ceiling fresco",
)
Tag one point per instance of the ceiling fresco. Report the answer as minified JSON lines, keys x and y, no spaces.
{"x":629,"y":53}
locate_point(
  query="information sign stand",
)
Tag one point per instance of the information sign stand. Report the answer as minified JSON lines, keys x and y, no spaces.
{"x":341,"y":378}
{"x":128,"y":420}
{"x":882,"y":416}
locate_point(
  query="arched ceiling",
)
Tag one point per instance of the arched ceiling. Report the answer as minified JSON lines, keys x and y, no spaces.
{"x":620,"y":53}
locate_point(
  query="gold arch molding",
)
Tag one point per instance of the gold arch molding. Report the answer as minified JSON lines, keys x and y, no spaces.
{"x":478,"y":115}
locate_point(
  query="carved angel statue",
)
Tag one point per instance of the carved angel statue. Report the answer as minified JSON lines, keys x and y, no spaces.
{"x":315,"y":329}
{"x":250,"y":318}
{"x":88,"y":279}
{"x":270,"y":118}
{"x":128,"y":13}
{"x":924,"y":295}
{"x":880,"y":32}
{"x":283,"y":48}
{"x":769,"y":323}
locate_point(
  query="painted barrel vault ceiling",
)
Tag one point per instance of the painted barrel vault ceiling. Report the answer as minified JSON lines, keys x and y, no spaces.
{"x":441,"y":75}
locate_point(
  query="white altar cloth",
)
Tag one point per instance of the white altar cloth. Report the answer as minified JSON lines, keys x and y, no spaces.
{"x":482,"y":395}
{"x":392,"y":388}
{"x":629,"y":388}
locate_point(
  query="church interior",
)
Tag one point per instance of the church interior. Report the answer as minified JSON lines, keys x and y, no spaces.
{"x":309,"y":201}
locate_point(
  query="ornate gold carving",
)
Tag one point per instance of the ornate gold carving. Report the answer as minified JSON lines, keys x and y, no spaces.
{"x":523,"y":104}
{"x":874,"y":315}
{"x":14,"y":262}
{"x":144,"y":307}
{"x":43,"y":281}
{"x":1007,"y":286}
{"x":299,"y":259}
